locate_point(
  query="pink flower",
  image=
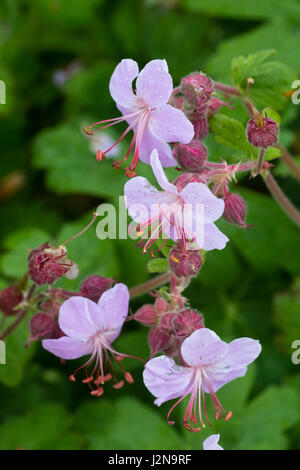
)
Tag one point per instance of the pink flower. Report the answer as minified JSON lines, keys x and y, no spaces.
{"x":210,"y":364}
{"x":153,"y":121}
{"x":90,"y":328}
{"x":178,"y":215}
{"x":211,"y":443}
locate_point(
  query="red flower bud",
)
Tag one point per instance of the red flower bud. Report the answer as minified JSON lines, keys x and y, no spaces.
{"x":197,"y":88}
{"x":47,"y":264}
{"x":94,"y":286}
{"x":166,"y":323}
{"x":42,"y":326}
{"x":235,"y":210}
{"x":10,"y":298}
{"x":146,"y":315}
{"x":184,"y":263}
{"x":187,"y":178}
{"x":262,"y":132}
{"x":201,"y":126}
{"x":191,"y":156}
{"x":187,"y":322}
{"x":157,"y":340}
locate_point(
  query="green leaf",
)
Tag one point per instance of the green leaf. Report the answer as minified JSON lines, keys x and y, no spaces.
{"x":13,"y":264}
{"x":272,"y":243}
{"x":287,"y":318}
{"x":47,"y":426}
{"x":230,"y":132}
{"x":271,"y":79}
{"x":158,"y":265}
{"x":110,"y":425}
{"x":17,"y":356}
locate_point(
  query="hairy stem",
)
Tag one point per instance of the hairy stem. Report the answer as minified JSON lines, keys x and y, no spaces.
{"x":149,"y":285}
{"x":260,"y":160}
{"x":227,"y":89}
{"x":282,"y":200}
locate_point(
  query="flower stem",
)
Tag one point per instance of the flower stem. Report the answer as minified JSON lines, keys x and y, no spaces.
{"x":282,"y":200}
{"x":149,"y":285}
{"x":20,"y":317}
{"x":227,"y":89}
{"x":260,"y":160}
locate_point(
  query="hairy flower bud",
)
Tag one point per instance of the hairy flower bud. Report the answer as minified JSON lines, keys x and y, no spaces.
{"x":43,"y":326}
{"x":184,"y":263}
{"x":197,"y":88}
{"x":147,"y":315}
{"x":10,"y":298}
{"x":166,"y":322}
{"x":187,"y":178}
{"x":158,"y":340}
{"x":235,"y":210}
{"x":94,"y":286}
{"x":192,"y":156}
{"x":187,"y":322}
{"x":201,"y":127}
{"x":262,"y":132}
{"x":46,"y":264}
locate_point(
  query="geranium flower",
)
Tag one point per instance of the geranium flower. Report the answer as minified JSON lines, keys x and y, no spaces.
{"x":210,"y":364}
{"x":90,"y":328}
{"x":211,"y":443}
{"x":178,"y":215}
{"x":153,"y":121}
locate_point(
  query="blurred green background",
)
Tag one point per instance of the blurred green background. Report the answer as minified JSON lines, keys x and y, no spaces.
{"x":56,"y":58}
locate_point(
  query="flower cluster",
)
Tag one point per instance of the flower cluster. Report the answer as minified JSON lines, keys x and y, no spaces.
{"x":168,"y":125}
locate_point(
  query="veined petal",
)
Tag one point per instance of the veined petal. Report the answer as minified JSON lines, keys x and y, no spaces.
{"x":165,"y":379}
{"x":170,"y":124}
{"x":113,"y":306}
{"x":77,"y":317}
{"x":154,"y":84}
{"x":160,"y":174}
{"x":199,"y":193}
{"x":120,"y":85}
{"x":203,"y":347}
{"x":150,"y":142}
{"x":67,"y":348}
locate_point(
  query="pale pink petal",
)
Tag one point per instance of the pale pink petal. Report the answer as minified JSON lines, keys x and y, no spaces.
{"x":165,"y":379}
{"x":113,"y":306}
{"x":213,"y":238}
{"x":77,"y":317}
{"x":203,"y":347}
{"x":241,"y":353}
{"x":142,"y":199}
{"x":170,"y":124}
{"x":154,"y":84}
{"x":120,"y":85}
{"x":67,"y":348}
{"x":160,"y":174}
{"x":150,"y":142}
{"x":199,"y":193}
{"x":211,"y":443}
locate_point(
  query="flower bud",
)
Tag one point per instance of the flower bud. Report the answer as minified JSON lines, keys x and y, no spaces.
{"x":184,"y":263}
{"x":201,"y":127}
{"x":166,"y":323}
{"x":146,"y":315}
{"x":187,"y":178}
{"x":187,"y":322}
{"x":235,"y":210}
{"x":10,"y":298}
{"x":94,"y":286}
{"x":158,"y":340}
{"x":197,"y":88}
{"x":262,"y":132}
{"x":47,"y":264}
{"x":191,"y":156}
{"x":42,"y":326}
